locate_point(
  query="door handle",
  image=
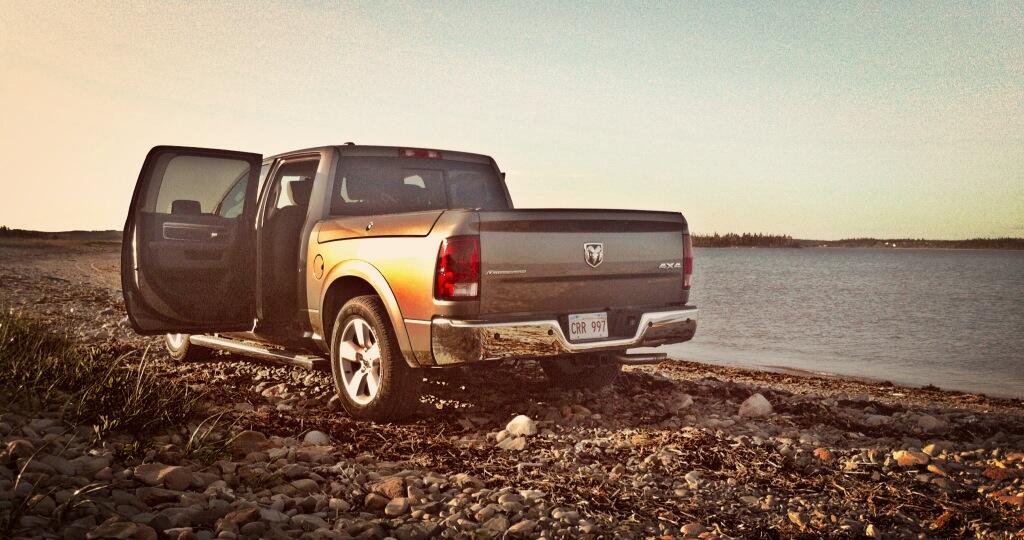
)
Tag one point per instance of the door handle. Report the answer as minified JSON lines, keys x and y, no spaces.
{"x":369,"y":226}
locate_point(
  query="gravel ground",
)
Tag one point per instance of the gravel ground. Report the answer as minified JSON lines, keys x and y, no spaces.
{"x":681,"y":449}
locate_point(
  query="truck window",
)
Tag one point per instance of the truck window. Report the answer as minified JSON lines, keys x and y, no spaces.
{"x":368,"y":186}
{"x":197,"y":182}
{"x":233,"y":202}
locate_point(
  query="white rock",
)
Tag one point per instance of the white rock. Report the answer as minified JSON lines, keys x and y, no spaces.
{"x":522,"y":425}
{"x":512,"y":443}
{"x":316,"y":438}
{"x":756,"y":406}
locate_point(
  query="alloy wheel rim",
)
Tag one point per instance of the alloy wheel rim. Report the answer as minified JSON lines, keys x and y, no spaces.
{"x":359,"y":355}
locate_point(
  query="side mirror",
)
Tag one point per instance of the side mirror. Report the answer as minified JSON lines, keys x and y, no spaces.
{"x":502,"y":176}
{"x":186,"y":207}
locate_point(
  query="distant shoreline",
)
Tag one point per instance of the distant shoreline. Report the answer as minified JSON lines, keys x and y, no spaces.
{"x":729,"y":240}
{"x":732,"y":240}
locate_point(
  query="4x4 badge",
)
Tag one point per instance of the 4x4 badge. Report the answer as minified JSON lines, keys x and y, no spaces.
{"x":593,"y":253}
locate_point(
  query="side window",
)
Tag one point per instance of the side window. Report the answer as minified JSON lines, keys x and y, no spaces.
{"x":366,"y":190}
{"x":233,"y":203}
{"x":196,"y":184}
{"x":381,"y":185}
{"x":293,"y":185}
{"x":475,"y":189}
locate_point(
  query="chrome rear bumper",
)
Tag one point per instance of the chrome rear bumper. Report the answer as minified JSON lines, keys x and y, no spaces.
{"x":455,"y":342}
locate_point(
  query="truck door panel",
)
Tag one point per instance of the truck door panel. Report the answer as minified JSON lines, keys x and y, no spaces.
{"x":187,"y":256}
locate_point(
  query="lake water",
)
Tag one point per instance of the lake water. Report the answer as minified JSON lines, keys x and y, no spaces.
{"x":950,"y":318}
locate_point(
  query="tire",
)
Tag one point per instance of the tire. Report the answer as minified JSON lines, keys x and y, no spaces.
{"x":370,"y":373}
{"x":581,"y":371}
{"x":181,"y":350}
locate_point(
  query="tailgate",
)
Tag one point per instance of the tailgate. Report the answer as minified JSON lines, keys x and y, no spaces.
{"x":558,"y":262}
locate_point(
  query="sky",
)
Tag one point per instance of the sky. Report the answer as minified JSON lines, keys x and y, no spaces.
{"x":817,"y":120}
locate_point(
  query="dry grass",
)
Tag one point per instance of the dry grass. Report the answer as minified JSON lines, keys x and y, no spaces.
{"x":96,"y":387}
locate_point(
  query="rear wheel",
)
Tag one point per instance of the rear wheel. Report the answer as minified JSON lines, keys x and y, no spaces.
{"x":581,"y":371}
{"x":180,"y":349}
{"x":370,"y":373}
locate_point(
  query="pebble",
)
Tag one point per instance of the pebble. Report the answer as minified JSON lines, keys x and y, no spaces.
{"x":20,"y":448}
{"x":876,"y":420}
{"x":523,"y":527}
{"x":397,"y":507}
{"x":756,"y":406}
{"x":521,"y":425}
{"x":910,"y":458}
{"x":512,"y":443}
{"x":929,"y":423}
{"x":316,"y":438}
{"x":692,"y":530}
{"x":638,"y":437}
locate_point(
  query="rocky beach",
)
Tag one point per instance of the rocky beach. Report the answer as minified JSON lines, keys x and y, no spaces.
{"x":680,"y":449}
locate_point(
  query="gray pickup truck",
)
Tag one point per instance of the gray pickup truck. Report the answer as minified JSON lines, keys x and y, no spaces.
{"x":380,"y":262}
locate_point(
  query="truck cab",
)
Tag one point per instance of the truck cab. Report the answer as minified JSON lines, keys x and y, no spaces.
{"x":377,"y":261}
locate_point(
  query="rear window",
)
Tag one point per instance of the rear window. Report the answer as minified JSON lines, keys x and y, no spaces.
{"x":366,"y":186}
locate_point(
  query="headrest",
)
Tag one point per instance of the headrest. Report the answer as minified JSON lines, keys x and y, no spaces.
{"x":182,"y":206}
{"x":301,"y":190}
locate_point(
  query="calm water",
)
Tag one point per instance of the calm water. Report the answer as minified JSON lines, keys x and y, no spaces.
{"x":954,"y":319}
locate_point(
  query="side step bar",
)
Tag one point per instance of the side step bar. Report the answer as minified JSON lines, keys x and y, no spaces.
{"x":251,"y":349}
{"x":641,"y":359}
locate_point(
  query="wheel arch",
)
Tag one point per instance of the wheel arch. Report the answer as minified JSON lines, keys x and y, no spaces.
{"x":349,"y":279}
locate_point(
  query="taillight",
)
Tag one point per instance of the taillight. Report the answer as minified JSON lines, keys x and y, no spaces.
{"x":419,"y":153}
{"x":687,"y":261}
{"x":458,"y":269}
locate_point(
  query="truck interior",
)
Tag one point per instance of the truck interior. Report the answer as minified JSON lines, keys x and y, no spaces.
{"x":284,"y":218}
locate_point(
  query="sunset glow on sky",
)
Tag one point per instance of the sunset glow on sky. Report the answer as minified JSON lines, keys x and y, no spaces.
{"x":815,"y":120}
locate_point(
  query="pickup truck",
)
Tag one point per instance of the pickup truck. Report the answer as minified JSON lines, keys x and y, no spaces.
{"x":384,"y":262}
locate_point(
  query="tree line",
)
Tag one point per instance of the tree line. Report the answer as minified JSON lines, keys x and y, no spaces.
{"x":744,"y":240}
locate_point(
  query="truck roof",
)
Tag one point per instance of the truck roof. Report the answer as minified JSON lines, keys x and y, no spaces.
{"x":388,"y":151}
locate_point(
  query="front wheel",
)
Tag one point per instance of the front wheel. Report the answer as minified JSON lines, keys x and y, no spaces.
{"x":180,"y":349}
{"x":370,"y":373}
{"x":581,"y":371}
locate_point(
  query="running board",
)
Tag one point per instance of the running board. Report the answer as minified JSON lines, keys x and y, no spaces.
{"x":641,"y":359}
{"x":250,"y":349}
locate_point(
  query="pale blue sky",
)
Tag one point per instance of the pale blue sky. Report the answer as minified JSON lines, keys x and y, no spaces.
{"x":817,"y":120}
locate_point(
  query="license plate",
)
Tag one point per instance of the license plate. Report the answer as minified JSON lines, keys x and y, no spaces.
{"x":588,"y":326}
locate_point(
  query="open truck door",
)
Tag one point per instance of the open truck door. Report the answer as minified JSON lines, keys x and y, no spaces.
{"x":188,"y":257}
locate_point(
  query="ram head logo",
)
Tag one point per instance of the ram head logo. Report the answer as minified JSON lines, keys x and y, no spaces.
{"x":593,"y":253}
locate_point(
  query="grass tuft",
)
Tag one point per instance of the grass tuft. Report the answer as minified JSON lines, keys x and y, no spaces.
{"x":97,"y":388}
